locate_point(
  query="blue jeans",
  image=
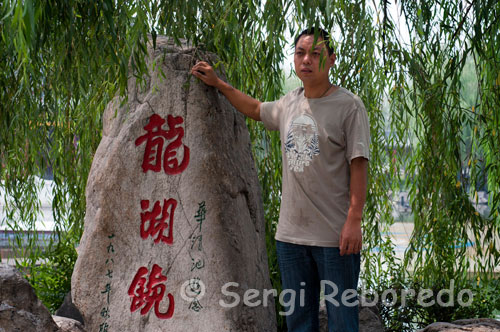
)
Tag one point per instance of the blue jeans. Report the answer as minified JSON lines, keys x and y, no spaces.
{"x":304,"y":269}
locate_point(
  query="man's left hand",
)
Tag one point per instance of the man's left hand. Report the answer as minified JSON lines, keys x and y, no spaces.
{"x":351,"y":237}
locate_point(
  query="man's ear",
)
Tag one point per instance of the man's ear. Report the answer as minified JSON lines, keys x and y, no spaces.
{"x":332,"y":59}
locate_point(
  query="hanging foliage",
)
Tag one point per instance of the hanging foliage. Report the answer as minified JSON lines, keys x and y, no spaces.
{"x":431,"y":134}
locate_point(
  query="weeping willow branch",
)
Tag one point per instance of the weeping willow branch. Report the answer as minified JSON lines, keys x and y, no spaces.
{"x":62,"y":61}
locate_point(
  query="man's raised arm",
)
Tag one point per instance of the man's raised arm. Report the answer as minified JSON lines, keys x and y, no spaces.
{"x":243,"y":103}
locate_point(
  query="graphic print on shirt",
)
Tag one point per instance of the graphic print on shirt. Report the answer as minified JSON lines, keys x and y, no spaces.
{"x":301,"y":143}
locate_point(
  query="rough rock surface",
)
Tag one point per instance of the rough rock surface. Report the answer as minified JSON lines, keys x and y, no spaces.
{"x":174,"y":211}
{"x":69,"y":310}
{"x":369,"y":319}
{"x":462,"y":325}
{"x":20,"y":309}
{"x":66,"y":324}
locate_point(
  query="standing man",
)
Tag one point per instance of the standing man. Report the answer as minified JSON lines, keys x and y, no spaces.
{"x":325,"y":150}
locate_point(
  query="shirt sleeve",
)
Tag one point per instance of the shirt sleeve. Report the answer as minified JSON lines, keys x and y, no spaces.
{"x":357,"y":133}
{"x":270,"y":114}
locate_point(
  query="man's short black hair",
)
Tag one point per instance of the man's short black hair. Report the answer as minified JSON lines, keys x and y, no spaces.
{"x":314,"y":31}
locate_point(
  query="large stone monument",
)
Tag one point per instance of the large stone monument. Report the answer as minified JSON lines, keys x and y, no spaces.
{"x":174,"y":225}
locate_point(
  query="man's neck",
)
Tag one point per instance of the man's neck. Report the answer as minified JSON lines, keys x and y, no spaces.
{"x":315,"y":90}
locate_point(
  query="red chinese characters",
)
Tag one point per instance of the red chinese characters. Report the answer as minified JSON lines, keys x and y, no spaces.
{"x":153,"y":223}
{"x":146,"y":292}
{"x":164,"y":150}
{"x":155,"y":139}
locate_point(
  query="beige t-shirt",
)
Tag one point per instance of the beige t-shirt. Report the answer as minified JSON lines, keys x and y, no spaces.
{"x":319,"y":138}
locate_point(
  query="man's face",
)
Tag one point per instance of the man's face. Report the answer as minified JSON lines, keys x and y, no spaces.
{"x":312,"y":62}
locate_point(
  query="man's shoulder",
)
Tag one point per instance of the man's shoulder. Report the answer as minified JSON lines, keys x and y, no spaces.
{"x":349,"y":99}
{"x":294,"y":94}
{"x":348,"y":94}
{"x":290,"y":96}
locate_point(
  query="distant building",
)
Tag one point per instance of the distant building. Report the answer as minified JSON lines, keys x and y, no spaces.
{"x":44,"y":225}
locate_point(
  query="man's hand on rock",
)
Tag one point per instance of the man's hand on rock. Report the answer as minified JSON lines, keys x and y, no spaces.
{"x":205,"y":72}
{"x":243,"y":103}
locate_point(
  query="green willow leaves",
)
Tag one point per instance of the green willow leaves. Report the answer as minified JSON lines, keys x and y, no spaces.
{"x":432,"y":135}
